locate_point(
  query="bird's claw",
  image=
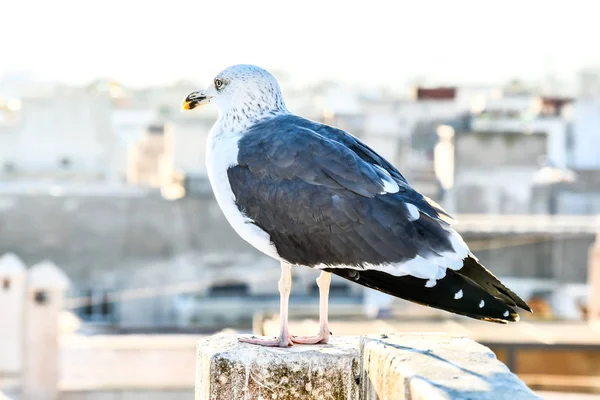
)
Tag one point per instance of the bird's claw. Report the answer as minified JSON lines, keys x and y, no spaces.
{"x":321,"y":338}
{"x":263,"y":341}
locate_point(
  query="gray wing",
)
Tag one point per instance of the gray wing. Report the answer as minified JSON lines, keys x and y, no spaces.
{"x":323,"y":202}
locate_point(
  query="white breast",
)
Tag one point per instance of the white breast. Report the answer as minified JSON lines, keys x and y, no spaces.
{"x":221,"y":154}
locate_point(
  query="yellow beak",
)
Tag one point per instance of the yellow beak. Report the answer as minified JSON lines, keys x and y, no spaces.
{"x":195,"y":99}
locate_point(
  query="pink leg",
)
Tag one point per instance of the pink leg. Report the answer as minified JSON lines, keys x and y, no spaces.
{"x":285,"y":287}
{"x":323,"y":282}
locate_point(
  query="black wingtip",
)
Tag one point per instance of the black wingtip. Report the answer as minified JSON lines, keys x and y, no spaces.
{"x":475,"y":271}
{"x":454,"y":293}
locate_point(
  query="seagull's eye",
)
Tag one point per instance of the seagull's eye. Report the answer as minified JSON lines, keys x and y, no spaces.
{"x":218,"y":84}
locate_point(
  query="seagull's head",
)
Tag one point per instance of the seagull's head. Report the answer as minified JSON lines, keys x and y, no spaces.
{"x":245,"y":89}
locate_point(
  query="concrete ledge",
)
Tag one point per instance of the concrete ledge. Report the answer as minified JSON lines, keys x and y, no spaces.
{"x":229,"y":370}
{"x":394,"y":367}
{"x":434,"y":366}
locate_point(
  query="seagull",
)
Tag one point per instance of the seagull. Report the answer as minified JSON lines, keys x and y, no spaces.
{"x":309,"y":194}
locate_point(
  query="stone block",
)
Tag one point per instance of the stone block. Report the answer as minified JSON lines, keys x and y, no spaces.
{"x":229,"y":370}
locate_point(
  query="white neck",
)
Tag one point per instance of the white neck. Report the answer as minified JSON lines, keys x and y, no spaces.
{"x":236,"y":121}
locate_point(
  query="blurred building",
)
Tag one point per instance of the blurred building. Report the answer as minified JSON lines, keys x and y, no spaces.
{"x":129,"y":124}
{"x":494,"y":170}
{"x":589,"y":83}
{"x":422,"y":113}
{"x":527,"y":113}
{"x":145,"y":156}
{"x":183,"y":164}
{"x":403,"y":130}
{"x":574,"y":189}
{"x":584,"y":139}
{"x":498,"y":160}
{"x":65,"y":135}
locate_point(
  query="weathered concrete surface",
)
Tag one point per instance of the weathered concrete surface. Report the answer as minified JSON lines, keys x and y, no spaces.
{"x":229,"y":370}
{"x":434,"y":366}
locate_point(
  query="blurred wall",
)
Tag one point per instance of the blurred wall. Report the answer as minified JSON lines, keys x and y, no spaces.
{"x":136,"y":239}
{"x":494,"y":171}
{"x":133,"y":238}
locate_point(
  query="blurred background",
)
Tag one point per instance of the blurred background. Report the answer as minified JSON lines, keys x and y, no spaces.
{"x":490,"y":109}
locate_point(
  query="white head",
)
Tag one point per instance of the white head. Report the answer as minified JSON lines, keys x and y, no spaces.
{"x":241,"y":91}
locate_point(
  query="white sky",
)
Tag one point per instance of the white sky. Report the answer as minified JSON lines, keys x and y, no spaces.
{"x":376,"y":41}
